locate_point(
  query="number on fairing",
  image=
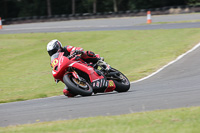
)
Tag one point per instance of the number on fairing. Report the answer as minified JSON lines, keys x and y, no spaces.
{"x":54,"y":62}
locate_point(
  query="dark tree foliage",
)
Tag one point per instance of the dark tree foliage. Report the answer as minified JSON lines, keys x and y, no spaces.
{"x":25,"y":8}
{"x":145,"y":4}
{"x":9,"y":8}
{"x":61,"y":6}
{"x":32,"y":8}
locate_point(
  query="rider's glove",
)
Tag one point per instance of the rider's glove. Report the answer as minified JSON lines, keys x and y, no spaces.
{"x":77,"y":50}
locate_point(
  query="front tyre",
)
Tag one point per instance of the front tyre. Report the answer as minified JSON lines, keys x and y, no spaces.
{"x":123,"y":84}
{"x":76,"y":86}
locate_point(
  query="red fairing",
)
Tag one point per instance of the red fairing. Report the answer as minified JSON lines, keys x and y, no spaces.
{"x":61,"y":64}
{"x":87,"y":69}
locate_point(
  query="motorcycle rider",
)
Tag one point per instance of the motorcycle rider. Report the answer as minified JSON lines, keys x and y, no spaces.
{"x":55,"y":46}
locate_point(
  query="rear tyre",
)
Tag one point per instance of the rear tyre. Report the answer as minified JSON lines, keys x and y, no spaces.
{"x":121,"y":85}
{"x":77,"y":87}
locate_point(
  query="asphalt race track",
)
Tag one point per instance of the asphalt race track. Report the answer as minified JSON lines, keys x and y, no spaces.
{"x":130,"y":23}
{"x":175,"y":86}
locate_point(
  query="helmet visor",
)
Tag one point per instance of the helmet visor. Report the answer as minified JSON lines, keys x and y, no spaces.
{"x":53,"y":51}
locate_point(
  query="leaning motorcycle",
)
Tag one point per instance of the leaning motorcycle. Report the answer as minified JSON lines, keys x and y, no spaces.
{"x":85,"y":79}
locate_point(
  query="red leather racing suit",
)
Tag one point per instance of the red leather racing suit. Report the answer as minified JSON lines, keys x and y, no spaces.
{"x":87,"y":56}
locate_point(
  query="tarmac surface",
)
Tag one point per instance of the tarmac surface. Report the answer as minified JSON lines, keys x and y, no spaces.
{"x":175,"y":86}
{"x":128,"y":23}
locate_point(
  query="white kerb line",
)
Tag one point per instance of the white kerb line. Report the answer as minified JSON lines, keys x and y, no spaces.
{"x":178,"y":58}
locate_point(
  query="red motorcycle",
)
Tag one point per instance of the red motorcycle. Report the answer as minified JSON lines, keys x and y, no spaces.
{"x":84,"y":79}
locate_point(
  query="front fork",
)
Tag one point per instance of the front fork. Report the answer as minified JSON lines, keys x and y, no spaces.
{"x":76,"y":76}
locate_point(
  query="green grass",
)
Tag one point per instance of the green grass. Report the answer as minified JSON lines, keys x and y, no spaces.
{"x":183,"y":120}
{"x":25,"y":65}
{"x":173,"y":22}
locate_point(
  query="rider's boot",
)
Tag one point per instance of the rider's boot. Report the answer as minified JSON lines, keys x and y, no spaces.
{"x":67,"y":93}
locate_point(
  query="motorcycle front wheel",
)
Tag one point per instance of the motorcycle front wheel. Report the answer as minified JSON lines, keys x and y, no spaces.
{"x":76,"y":86}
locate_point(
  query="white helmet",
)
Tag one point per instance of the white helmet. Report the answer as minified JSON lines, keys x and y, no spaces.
{"x":53,"y":47}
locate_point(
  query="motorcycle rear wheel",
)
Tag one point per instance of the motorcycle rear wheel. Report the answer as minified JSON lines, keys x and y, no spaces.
{"x":77,"y":87}
{"x":121,"y":86}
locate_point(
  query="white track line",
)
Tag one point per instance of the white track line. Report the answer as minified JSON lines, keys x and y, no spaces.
{"x":61,"y":27}
{"x":178,"y":58}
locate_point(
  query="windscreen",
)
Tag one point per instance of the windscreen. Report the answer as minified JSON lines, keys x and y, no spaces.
{"x":54,"y":56}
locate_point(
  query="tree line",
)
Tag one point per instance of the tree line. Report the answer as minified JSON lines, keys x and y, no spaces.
{"x":26,"y":8}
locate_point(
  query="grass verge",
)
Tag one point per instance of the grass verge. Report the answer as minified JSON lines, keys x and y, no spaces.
{"x":26,"y":74}
{"x":174,"y":22}
{"x":183,"y":120}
